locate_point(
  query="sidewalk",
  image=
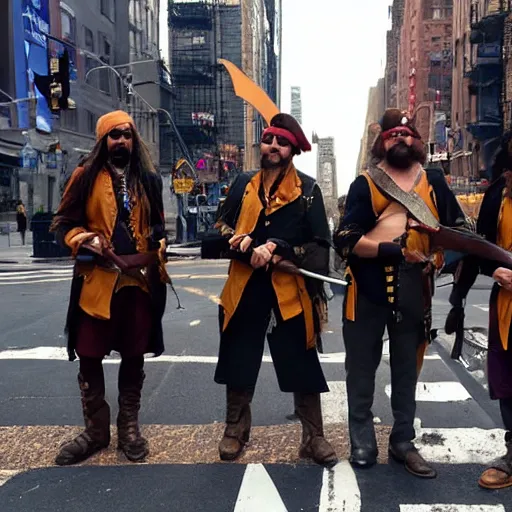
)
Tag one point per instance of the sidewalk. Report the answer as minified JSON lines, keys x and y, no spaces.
{"x":17,"y":255}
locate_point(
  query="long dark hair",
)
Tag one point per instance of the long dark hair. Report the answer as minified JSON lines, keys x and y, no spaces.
{"x":503,"y":158}
{"x":141,"y":171}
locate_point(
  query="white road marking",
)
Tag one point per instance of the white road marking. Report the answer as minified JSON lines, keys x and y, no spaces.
{"x":6,"y":475}
{"x":60,"y":354}
{"x":340,"y":491}
{"x":194,"y":323}
{"x":483,"y":307}
{"x":452,"y":507}
{"x":36,"y":281}
{"x":35,"y":273}
{"x":460,"y":445}
{"x":438,"y":392}
{"x":334,"y":403}
{"x":258,"y":492}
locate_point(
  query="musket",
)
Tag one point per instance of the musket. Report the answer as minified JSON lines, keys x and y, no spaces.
{"x":466,"y":242}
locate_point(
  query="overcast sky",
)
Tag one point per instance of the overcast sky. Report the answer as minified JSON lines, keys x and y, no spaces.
{"x":335,"y":50}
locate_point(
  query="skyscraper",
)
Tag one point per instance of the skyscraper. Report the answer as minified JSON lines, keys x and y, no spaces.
{"x":296,"y":109}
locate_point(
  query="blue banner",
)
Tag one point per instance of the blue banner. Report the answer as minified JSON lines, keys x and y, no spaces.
{"x":36,"y":21}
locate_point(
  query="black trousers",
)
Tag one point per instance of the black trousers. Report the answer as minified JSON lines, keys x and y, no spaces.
{"x":241,"y":344}
{"x":363,"y":345}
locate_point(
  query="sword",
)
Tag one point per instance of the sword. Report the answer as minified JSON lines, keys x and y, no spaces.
{"x":290,"y":268}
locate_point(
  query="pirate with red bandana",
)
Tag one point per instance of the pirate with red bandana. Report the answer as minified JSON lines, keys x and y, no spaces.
{"x":274,"y":214}
{"x":390,"y":269}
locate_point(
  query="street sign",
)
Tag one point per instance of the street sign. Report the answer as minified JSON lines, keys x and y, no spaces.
{"x":183,"y":185}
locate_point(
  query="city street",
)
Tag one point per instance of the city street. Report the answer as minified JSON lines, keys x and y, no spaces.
{"x":183,"y":411}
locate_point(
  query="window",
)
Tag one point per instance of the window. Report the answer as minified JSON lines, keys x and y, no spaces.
{"x":89,"y":46}
{"x":105,"y":55}
{"x":436,"y":39}
{"x":88,"y":40}
{"x":68,"y":23}
{"x":133,"y":48}
{"x":69,"y":120}
{"x":91,"y":119}
{"x":108,"y":9}
{"x":107,"y":49}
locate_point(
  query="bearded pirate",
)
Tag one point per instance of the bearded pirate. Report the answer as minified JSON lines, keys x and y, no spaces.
{"x":387,"y":265}
{"x":277,"y":213}
{"x":112,"y":210}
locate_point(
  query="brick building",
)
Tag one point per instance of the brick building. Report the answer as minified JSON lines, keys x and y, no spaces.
{"x":392,"y":43}
{"x":425,"y":66}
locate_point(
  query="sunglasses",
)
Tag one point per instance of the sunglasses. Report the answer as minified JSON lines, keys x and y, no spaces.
{"x":117,"y":134}
{"x":281,"y":141}
{"x":397,"y":134}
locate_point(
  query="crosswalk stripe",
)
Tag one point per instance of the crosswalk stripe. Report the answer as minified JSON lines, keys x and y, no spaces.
{"x":6,"y":475}
{"x":35,"y":281}
{"x":340,"y":490}
{"x":60,"y":354}
{"x":35,"y":276}
{"x":258,"y":492}
{"x":334,"y":403}
{"x":438,"y":392}
{"x":460,"y":445}
{"x":36,"y":273}
{"x":442,"y":507}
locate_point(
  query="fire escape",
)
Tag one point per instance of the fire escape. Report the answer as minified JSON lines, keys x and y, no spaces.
{"x":486,"y":73}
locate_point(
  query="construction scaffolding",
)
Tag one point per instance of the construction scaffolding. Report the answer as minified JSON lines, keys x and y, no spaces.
{"x":209,"y":117}
{"x":220,"y":131}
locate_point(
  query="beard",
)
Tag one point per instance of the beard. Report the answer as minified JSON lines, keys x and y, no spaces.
{"x":402,"y":157}
{"x":120,"y":156}
{"x":266,"y":163}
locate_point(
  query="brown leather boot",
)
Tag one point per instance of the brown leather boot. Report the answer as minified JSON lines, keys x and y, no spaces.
{"x":314,"y":445}
{"x":96,"y":411}
{"x":238,"y":424}
{"x":130,"y":441}
{"x":407,"y":454}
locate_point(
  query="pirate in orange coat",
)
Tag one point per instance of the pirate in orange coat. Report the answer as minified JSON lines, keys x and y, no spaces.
{"x":276,"y":213}
{"x":111,"y":217}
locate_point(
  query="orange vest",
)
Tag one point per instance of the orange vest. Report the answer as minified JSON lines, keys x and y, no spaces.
{"x":291,"y":292}
{"x":504,"y":240}
{"x":415,"y":240}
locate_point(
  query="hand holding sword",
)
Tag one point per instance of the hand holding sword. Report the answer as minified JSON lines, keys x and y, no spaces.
{"x":263,"y":255}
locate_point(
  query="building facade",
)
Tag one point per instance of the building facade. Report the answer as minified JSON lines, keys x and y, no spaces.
{"x":220,"y":131}
{"x":296,"y":105}
{"x":96,"y":37}
{"x":376,"y":107}
{"x":424,"y":69}
{"x":326,"y":174}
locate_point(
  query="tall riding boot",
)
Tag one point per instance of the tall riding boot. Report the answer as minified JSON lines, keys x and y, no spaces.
{"x":96,"y":411}
{"x":238,"y":423}
{"x":131,"y":379}
{"x":314,"y":445}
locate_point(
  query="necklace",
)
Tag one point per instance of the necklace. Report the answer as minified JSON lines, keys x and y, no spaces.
{"x":124,"y":192}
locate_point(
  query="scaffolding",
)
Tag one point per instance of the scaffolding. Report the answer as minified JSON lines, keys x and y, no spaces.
{"x":209,"y":116}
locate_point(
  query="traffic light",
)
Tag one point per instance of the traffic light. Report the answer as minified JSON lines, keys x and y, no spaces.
{"x":56,"y":87}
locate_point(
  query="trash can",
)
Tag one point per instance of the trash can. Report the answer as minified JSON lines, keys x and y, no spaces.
{"x":44,"y":243}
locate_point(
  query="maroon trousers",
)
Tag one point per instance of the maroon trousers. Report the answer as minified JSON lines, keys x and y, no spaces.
{"x":127,"y":331}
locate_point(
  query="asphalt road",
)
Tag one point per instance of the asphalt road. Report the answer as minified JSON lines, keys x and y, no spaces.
{"x":183,"y":411}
